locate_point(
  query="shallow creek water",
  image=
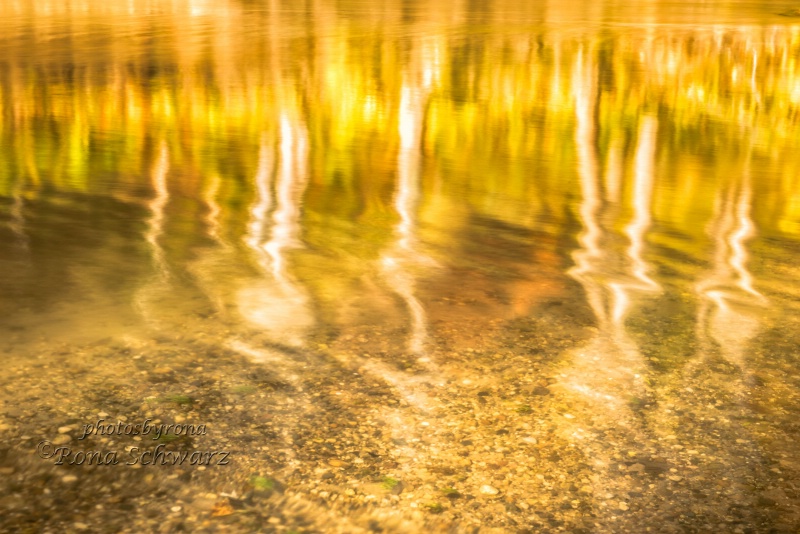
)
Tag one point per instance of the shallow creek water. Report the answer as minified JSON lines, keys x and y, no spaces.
{"x":415,"y":266}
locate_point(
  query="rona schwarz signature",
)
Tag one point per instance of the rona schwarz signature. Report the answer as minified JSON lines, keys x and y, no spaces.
{"x":133,"y":456}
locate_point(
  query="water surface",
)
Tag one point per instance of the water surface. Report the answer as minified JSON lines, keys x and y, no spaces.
{"x":563,"y":237}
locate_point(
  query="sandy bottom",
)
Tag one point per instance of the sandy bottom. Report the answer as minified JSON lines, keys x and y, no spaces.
{"x":508,"y":430}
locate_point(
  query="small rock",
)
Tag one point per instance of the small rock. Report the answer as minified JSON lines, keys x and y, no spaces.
{"x":80,"y":526}
{"x":69,"y":479}
{"x":61,"y":439}
{"x":636,"y":468}
{"x":541,"y":390}
{"x":64,"y":429}
{"x":489,"y":490}
{"x":398,"y":488}
{"x":176,"y":508}
{"x":622,"y":506}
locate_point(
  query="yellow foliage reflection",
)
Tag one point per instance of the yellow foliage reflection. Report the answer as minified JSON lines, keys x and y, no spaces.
{"x":504,"y":234}
{"x":397,"y":130}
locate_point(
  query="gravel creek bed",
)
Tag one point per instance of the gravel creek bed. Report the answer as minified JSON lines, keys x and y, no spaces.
{"x":477,"y":437}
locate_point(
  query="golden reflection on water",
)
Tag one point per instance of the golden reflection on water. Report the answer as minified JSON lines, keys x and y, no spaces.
{"x":283,"y":145}
{"x":384,"y":132}
{"x":395,"y":192}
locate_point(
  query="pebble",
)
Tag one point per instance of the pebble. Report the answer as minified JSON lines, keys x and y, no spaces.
{"x":176,"y":508}
{"x":61,"y":439}
{"x":637,"y":468}
{"x":69,"y":479}
{"x":64,"y":429}
{"x":623,"y":506}
{"x":489,"y":490}
{"x":80,"y":526}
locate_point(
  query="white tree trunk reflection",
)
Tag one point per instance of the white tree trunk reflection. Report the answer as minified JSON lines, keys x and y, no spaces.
{"x":276,"y":303}
{"x":604,"y":377}
{"x":729,"y":304}
{"x":608,"y":368}
{"x":154,"y":290}
{"x":400,"y":262}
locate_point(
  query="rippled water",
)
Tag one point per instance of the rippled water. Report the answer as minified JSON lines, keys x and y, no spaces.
{"x":600,"y":200}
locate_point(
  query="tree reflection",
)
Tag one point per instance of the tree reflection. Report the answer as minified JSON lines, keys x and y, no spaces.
{"x":729,"y":310}
{"x":586,"y":190}
{"x":277,"y":303}
{"x":146,"y":299}
{"x":608,"y":370}
{"x":401,"y":261}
